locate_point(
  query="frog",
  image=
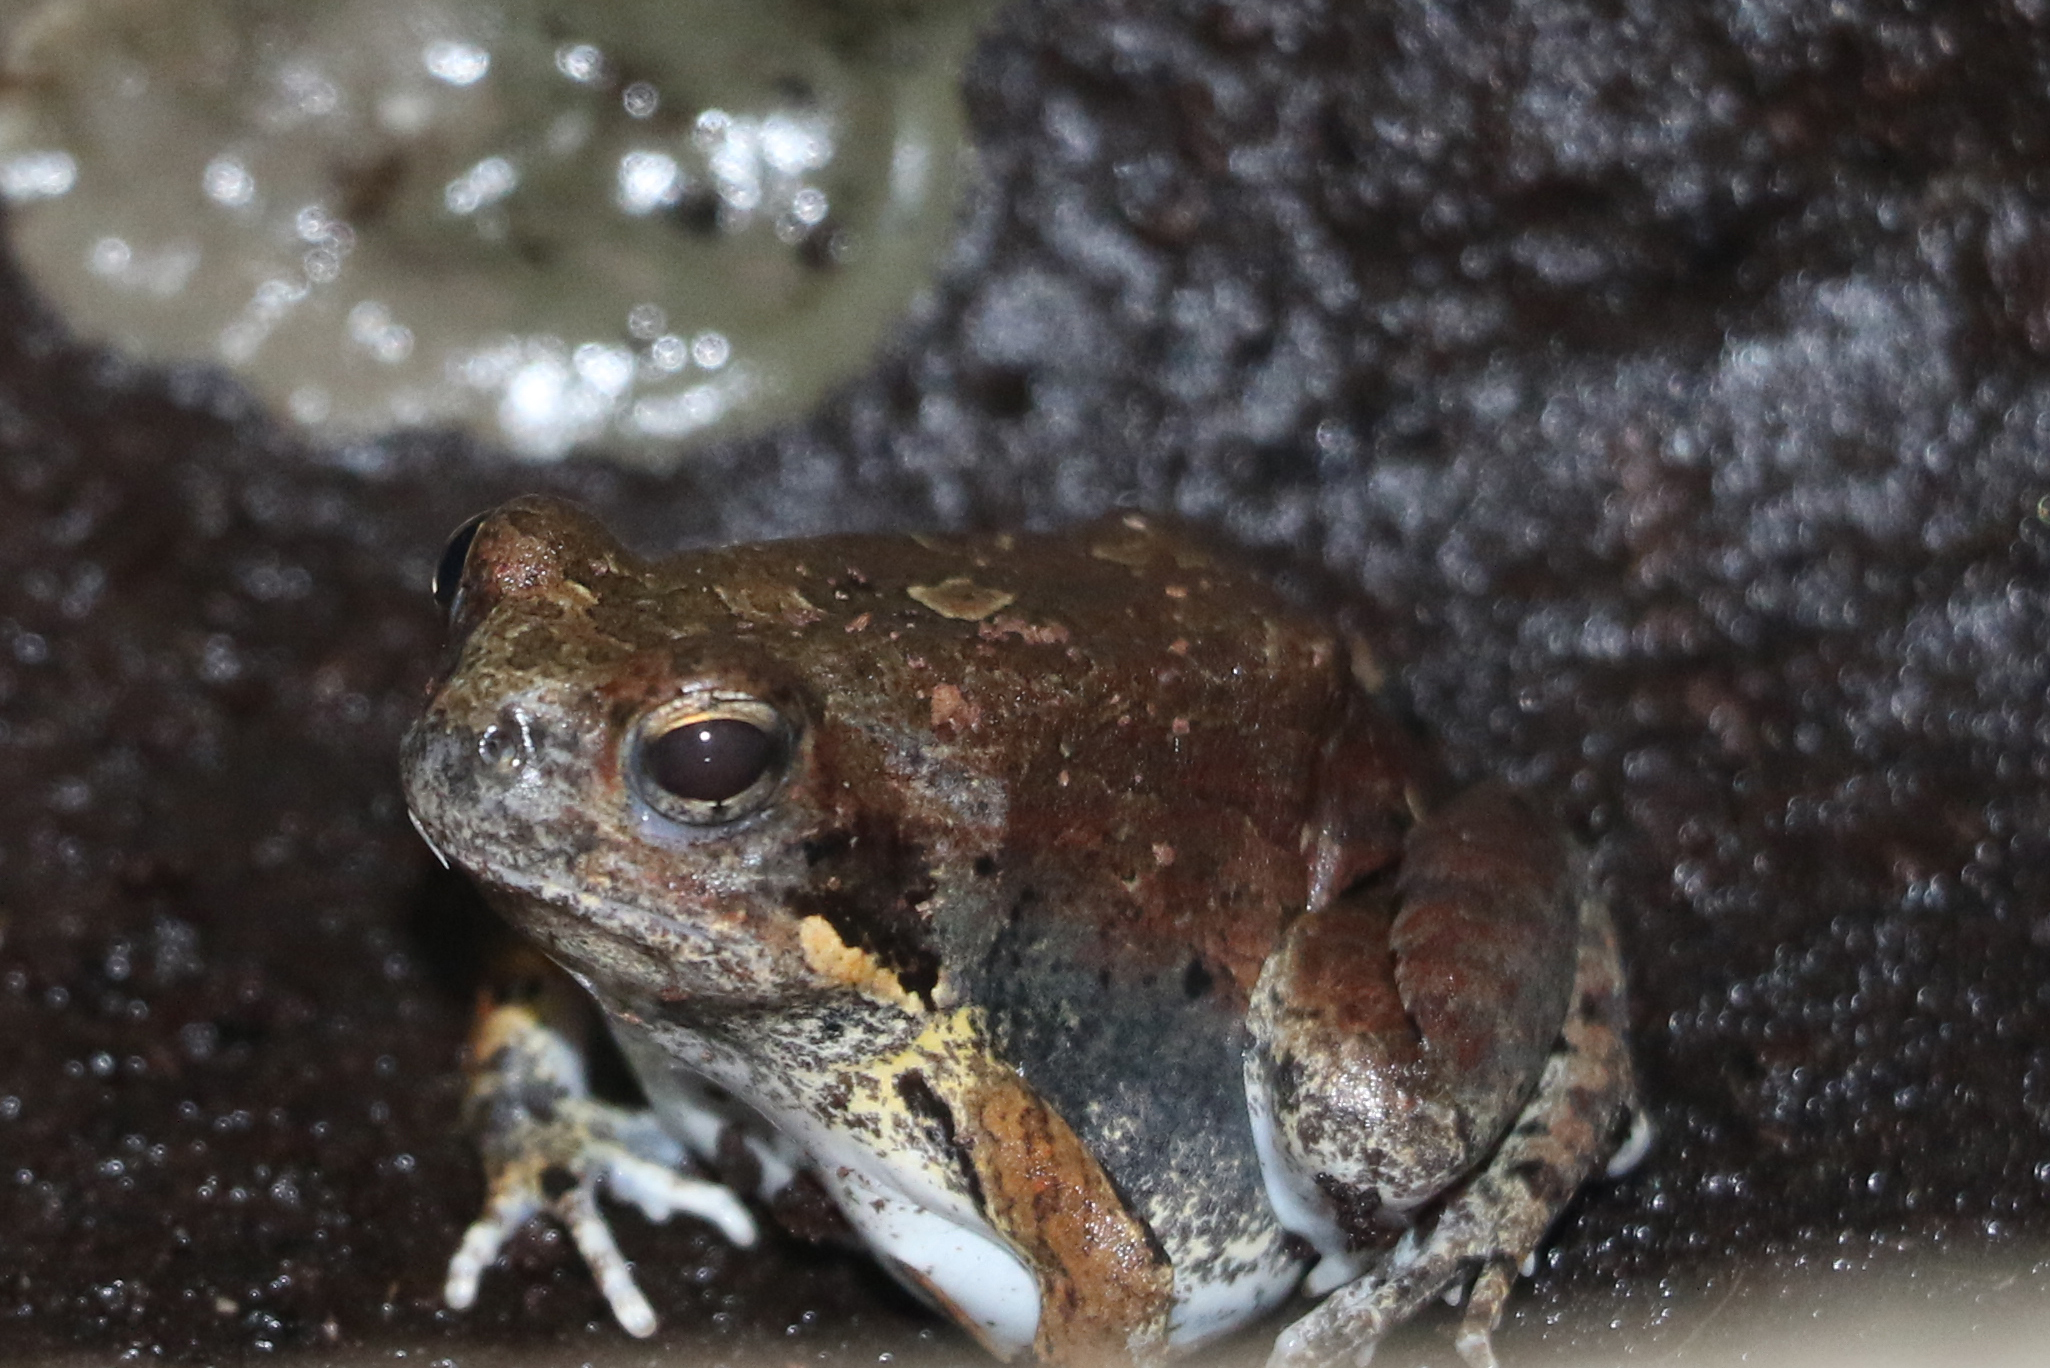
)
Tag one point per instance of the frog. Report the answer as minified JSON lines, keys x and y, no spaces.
{"x":1068,"y":906}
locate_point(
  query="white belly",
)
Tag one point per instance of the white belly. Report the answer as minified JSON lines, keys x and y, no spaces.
{"x":982,"y":1280}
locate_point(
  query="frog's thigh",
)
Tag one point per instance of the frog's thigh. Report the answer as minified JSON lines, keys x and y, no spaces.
{"x":1493,"y":1222}
{"x":1397,"y":1031}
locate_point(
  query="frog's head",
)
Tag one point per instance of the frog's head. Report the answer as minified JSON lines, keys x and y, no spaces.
{"x":633,"y":758}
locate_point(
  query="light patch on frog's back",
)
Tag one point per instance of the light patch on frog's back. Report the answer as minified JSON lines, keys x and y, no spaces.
{"x":1031,"y":633}
{"x":961,"y":598}
{"x":769,"y":604}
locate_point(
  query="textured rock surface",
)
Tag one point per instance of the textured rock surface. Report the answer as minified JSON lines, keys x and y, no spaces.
{"x":1671,"y":377}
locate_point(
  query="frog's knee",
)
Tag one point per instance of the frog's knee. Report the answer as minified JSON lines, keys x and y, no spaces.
{"x":1356,"y":1114}
{"x":1346,"y":1166}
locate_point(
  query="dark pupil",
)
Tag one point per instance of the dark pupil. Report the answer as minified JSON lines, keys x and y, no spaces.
{"x":448,"y":576}
{"x":709,"y":761}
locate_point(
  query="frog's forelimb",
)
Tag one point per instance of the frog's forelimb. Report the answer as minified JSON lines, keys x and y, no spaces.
{"x":548,"y":1146}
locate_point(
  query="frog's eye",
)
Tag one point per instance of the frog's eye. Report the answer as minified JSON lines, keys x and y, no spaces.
{"x":448,"y":574}
{"x":710,"y":763}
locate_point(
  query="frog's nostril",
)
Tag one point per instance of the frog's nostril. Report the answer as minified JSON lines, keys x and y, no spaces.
{"x":510,"y":742}
{"x":448,"y":574}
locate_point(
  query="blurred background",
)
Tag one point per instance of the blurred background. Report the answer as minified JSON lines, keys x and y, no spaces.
{"x":1669,"y":384}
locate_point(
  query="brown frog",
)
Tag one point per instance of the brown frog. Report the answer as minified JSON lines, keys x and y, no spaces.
{"x":1062,"y":904}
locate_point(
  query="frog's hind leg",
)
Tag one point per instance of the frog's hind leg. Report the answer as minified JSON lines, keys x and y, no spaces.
{"x":1493,"y":1223}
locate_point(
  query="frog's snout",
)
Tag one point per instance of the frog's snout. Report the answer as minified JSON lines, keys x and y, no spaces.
{"x":438,"y":777}
{"x":471,"y":778}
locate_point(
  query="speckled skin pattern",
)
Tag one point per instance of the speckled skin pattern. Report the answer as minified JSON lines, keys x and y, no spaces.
{"x":1082,"y":841}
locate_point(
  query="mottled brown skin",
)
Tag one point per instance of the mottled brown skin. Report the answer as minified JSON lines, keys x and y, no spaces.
{"x":1080,"y":837}
{"x":1205,"y":722}
{"x":1422,"y":1068}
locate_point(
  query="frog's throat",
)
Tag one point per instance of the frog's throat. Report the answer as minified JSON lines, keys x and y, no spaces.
{"x":927,"y":1128}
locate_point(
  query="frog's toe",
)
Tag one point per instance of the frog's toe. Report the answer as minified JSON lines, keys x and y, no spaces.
{"x":1475,"y":1341}
{"x":556,"y":1164}
{"x":660,"y":1192}
{"x":1295,"y":1347}
{"x":1349,"y":1324}
{"x":509,"y":1209}
{"x":577,"y":1209}
{"x":522,"y":1190}
{"x":1311,"y":1343}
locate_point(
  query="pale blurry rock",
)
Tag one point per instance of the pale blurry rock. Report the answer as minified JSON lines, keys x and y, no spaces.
{"x":627,"y":224}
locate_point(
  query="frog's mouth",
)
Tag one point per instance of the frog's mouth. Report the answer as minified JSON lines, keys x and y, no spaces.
{"x":627,"y":948}
{"x":420,"y":830}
